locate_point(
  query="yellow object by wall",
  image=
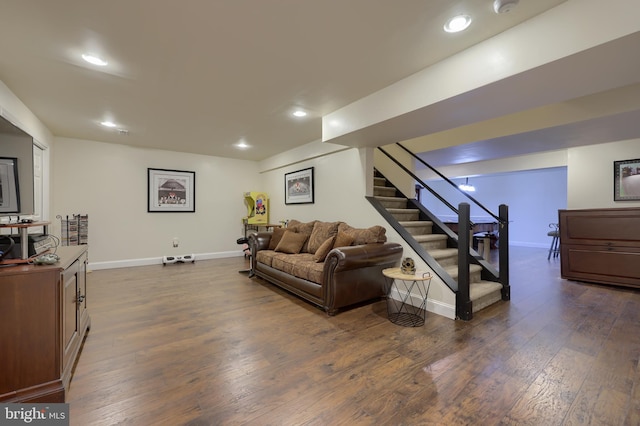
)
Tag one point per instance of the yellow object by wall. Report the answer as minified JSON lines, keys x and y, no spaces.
{"x":257,"y":208}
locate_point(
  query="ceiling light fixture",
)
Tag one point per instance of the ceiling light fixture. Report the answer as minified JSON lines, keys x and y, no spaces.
{"x":92,"y":59}
{"x":457,"y":23}
{"x":466,"y":187}
{"x":242,"y":145}
{"x":299,"y":113}
{"x":109,"y":124}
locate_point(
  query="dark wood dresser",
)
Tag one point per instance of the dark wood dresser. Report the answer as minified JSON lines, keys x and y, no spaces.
{"x":43,"y":320}
{"x":601,"y":245}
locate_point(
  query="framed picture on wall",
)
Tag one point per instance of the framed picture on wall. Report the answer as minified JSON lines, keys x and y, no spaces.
{"x":9,"y":192}
{"x":298,"y":187}
{"x":626,"y":180}
{"x":171,"y":191}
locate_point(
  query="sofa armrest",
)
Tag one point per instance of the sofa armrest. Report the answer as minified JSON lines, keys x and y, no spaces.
{"x":259,"y":241}
{"x":354,"y":257}
{"x":354,"y":274}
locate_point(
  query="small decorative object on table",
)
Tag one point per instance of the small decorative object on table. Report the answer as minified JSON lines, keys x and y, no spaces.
{"x":408,"y":266}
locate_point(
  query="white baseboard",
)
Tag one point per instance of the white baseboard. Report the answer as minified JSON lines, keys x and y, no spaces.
{"x":529,"y":244}
{"x":436,"y":306}
{"x":130,"y":263}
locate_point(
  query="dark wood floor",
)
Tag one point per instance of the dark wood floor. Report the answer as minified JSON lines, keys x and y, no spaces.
{"x":201,"y":344}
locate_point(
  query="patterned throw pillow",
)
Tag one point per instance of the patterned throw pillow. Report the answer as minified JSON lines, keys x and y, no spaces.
{"x":343,"y":240}
{"x":324,"y":249}
{"x":302,"y":228}
{"x":321,"y":231}
{"x":276,"y":237}
{"x":291,"y":242}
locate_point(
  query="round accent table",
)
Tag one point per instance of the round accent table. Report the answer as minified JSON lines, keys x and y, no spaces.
{"x":407,"y":296}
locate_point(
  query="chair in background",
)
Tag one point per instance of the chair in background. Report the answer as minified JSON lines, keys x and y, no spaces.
{"x":555,"y":240}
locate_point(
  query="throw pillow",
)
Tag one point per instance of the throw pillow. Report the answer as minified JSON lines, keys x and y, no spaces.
{"x":323,"y":250}
{"x":291,"y":242}
{"x":276,"y":237}
{"x":321,"y":231}
{"x":343,"y":240}
{"x":374,"y":234}
{"x":302,"y":228}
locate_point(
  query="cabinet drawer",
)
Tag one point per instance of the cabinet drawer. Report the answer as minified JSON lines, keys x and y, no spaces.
{"x":601,"y":264}
{"x":617,"y":227}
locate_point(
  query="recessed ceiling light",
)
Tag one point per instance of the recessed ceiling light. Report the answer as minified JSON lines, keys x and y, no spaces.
{"x":242,"y":145}
{"x":457,"y":23}
{"x":108,"y":124}
{"x":299,"y":113}
{"x":92,"y":59}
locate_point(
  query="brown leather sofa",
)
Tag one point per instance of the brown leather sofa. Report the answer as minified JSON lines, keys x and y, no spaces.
{"x":329,"y":264}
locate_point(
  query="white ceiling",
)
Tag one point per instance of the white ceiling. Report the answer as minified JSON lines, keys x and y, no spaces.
{"x":200,"y":75}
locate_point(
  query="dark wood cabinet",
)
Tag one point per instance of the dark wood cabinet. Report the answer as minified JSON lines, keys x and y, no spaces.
{"x":601,"y":245}
{"x":43,"y":320}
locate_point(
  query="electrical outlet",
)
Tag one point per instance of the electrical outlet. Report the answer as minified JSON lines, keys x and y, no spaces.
{"x":176,"y":242}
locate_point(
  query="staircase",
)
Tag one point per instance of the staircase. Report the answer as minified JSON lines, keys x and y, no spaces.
{"x":483,"y":293}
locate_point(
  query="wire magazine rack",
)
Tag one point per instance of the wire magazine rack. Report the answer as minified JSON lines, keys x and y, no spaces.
{"x":74,"y":230}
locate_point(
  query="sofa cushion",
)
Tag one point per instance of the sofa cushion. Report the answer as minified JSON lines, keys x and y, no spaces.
{"x":276,"y":236}
{"x":303,"y":227}
{"x":343,"y":239}
{"x":321,"y":231}
{"x":324,"y":249}
{"x":291,"y":242}
{"x":307,"y":269}
{"x":266,"y":256}
{"x":290,"y":263}
{"x":374,"y":234}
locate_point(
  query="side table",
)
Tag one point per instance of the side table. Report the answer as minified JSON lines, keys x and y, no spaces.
{"x":400,"y":286}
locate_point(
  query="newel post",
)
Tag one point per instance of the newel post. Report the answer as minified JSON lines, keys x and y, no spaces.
{"x":464,"y":307}
{"x":503,"y":256}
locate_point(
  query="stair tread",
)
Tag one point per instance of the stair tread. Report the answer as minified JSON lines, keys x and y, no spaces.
{"x":429,"y":237}
{"x":484,"y":287}
{"x":440,"y":253}
{"x":453,"y":269}
{"x":412,"y":223}
{"x":395,"y":210}
{"x":389,"y":198}
{"x":484,"y":294}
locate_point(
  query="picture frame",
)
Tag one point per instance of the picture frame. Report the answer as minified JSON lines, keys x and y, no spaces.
{"x":171,"y":191}
{"x":299,"y":187}
{"x":9,"y":187}
{"x":626,"y":180}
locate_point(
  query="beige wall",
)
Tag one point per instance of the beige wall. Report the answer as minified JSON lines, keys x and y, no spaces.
{"x":340,"y":185}
{"x":590,"y":174}
{"x":109,"y":183}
